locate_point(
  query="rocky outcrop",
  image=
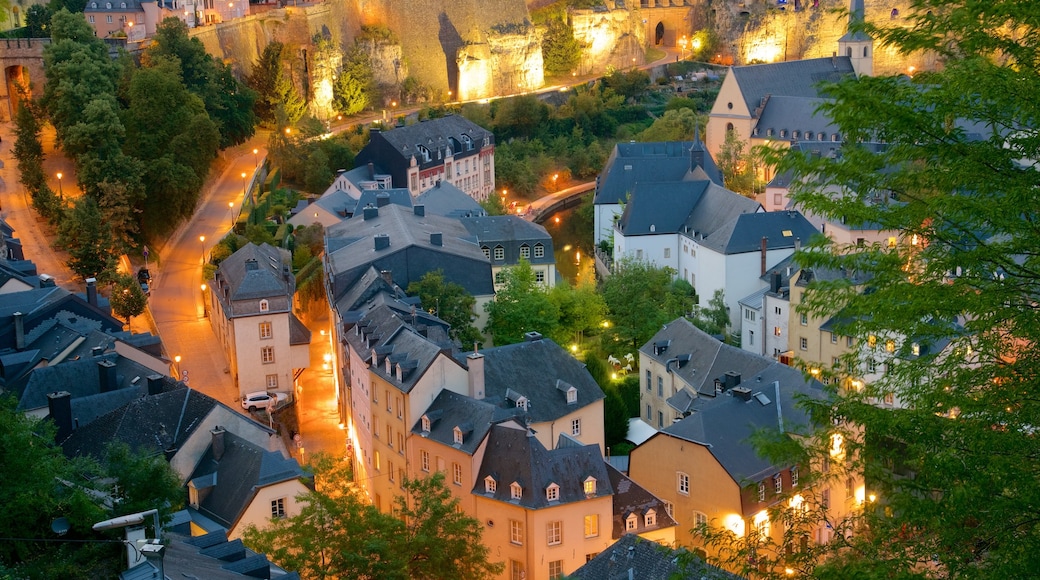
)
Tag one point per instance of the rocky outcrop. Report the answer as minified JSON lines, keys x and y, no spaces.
{"x":613,"y":39}
{"x":508,"y":62}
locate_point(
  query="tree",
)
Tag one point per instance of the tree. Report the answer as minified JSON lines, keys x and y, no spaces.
{"x":352,"y":91}
{"x":633,"y":295}
{"x":274,"y":88}
{"x":737,"y":167}
{"x":38,"y":21}
{"x":713,"y":318}
{"x":561,"y":52}
{"x":127,"y":298}
{"x":87,"y":239}
{"x":450,"y":302}
{"x":581,"y":310}
{"x":521,"y":305}
{"x":674,"y":125}
{"x":954,"y":468}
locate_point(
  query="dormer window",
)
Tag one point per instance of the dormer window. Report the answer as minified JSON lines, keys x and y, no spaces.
{"x":388,"y":365}
{"x":265,"y":305}
{"x":525,"y":251}
{"x":425,"y":420}
{"x":500,"y":253}
{"x":631,"y":522}
{"x":572,"y":396}
{"x":515,"y":491}
{"x":490,"y":485}
{"x":539,"y":250}
{"x":650,"y":519}
{"x":552,"y":493}
{"x":521,"y":403}
{"x":457,"y":432}
{"x":590,"y":485}
{"x":487,"y":252}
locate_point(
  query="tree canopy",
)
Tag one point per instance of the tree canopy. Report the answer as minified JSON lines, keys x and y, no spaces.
{"x":641,"y":297}
{"x":451,"y":303}
{"x":521,"y":305}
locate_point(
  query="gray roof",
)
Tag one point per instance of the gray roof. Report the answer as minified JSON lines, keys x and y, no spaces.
{"x":240,"y":472}
{"x":266,"y":280}
{"x":82,"y":378}
{"x":382,"y":197}
{"x":298,"y":332}
{"x":410,"y":253}
{"x":450,"y":410}
{"x":631,"y":163}
{"x":209,"y":556}
{"x":635,"y":558}
{"x":511,"y":232}
{"x":533,"y":369}
{"x":42,"y":307}
{"x":796,"y":115}
{"x":515,"y":455}
{"x":693,"y":208}
{"x":793,"y":78}
{"x":447,"y":200}
{"x":744,"y":233}
{"x":629,"y":498}
{"x":337,"y":202}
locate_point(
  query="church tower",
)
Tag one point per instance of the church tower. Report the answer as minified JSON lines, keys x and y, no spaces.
{"x":858,"y":46}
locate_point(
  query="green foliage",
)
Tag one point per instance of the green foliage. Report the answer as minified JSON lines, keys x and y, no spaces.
{"x":352,"y":90}
{"x":738,"y":168}
{"x":451,"y":303}
{"x":629,"y":84}
{"x":38,"y":21}
{"x":674,"y":125}
{"x":615,"y":417}
{"x":640,"y":299}
{"x":87,"y":239}
{"x":520,"y":306}
{"x":713,"y":318}
{"x":127,"y":299}
{"x":581,"y":310}
{"x":518,"y":116}
{"x":561,"y":52}
{"x":141,"y":482}
{"x":339,"y":534}
{"x":275,"y":93}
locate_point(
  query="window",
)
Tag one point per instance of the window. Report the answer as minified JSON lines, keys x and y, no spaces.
{"x":794,"y":476}
{"x":660,"y":419}
{"x":834,"y":338}
{"x":890,"y":399}
{"x":890,"y":346}
{"x":500,"y":253}
{"x":825,"y":498}
{"x":776,"y":331}
{"x":539,"y":251}
{"x":803,"y":343}
{"x":425,"y":423}
{"x":648,"y":411}
{"x":272,"y":382}
{"x":650,"y":519}
{"x":667,"y":253}
{"x":848,"y":341}
{"x":490,"y":485}
{"x":915,"y":349}
{"x":804,"y":320}
{"x":850,"y":486}
{"x":648,"y":380}
{"x":552,"y":493}
{"x":386,"y":392}
{"x":456,"y":474}
{"x":390,"y":436}
{"x":516,"y":570}
{"x":592,"y":526}
{"x":379,"y":464}
{"x":516,"y":532}
{"x":700,"y":518}
{"x":457,"y":433}
{"x":525,"y":251}
{"x":487,"y":251}
{"x":631,"y":522}
{"x":660,"y":386}
{"x":265,"y":305}
{"x":871,"y":341}
{"x":572,"y":395}
{"x":761,"y":491}
{"x":108,"y":19}
{"x":539,"y":277}
{"x":778,"y":484}
{"x":751,"y":337}
{"x":639,"y":254}
{"x":91,"y":17}
{"x":750,"y":315}
{"x":872,"y":366}
{"x":278,"y":508}
{"x":589,"y":485}
{"x":555,"y":569}
{"x":778,"y":199}
{"x":576,"y":427}
{"x":515,"y":491}
{"x":683,"y":483}
{"x":554,"y":533}
{"x":400,"y":442}
{"x":424,"y":460}
{"x":390,"y":469}
{"x":267,"y":355}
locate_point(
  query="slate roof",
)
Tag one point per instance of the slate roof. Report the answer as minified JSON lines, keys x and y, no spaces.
{"x":516,"y":455}
{"x":664,"y":206}
{"x":450,"y":410}
{"x":511,"y":232}
{"x":410,"y":355}
{"x":629,"y":498}
{"x":411,"y":253}
{"x":232,"y":482}
{"x":790,"y":114}
{"x":298,"y":333}
{"x":631,"y":163}
{"x":744,"y":233}
{"x":265,"y":281}
{"x":635,"y":558}
{"x":209,"y":557}
{"x":336,"y":202}
{"x":382,"y":197}
{"x":44,"y":306}
{"x":793,"y":78}
{"x":533,"y":368}
{"x":445,"y":199}
{"x":153,"y":424}
{"x":81,"y":378}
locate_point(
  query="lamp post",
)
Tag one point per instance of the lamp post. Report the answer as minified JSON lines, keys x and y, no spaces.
{"x":243,"y":185}
{"x":256,"y":160}
{"x":205,"y":313}
{"x":202,"y":241}
{"x":231,"y":212}
{"x":555,"y":177}
{"x":682,"y":45}
{"x":60,"y":194}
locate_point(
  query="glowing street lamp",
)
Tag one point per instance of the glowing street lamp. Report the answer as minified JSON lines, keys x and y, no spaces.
{"x":60,"y":194}
{"x":682,"y":44}
{"x":256,"y":160}
{"x":202,"y":242}
{"x":231,"y":211}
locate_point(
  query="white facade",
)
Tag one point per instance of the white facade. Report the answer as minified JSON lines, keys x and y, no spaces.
{"x":776,"y":314}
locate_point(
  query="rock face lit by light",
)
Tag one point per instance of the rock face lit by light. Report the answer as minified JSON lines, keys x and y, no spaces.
{"x":763,"y":50}
{"x":506,"y":64}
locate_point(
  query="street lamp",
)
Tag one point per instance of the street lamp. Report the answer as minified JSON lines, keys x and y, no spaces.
{"x":231,"y":211}
{"x":243,"y":185}
{"x":555,"y":177}
{"x":682,"y":44}
{"x":60,"y":194}
{"x":256,"y":160}
{"x":205,"y":313}
{"x":202,"y":241}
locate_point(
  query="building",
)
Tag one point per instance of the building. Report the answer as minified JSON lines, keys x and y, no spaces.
{"x":634,"y":558}
{"x":251,"y":312}
{"x":508,"y":239}
{"x":765,"y":313}
{"x":210,"y":556}
{"x":451,"y":149}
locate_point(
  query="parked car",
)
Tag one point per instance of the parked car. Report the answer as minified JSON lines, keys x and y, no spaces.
{"x":144,"y":276}
{"x":259,"y":400}
{"x":144,"y":288}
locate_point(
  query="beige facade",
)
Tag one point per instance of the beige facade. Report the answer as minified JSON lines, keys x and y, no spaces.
{"x":269,"y":501}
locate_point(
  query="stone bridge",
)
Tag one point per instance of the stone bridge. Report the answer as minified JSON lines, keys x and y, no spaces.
{"x":22,"y":62}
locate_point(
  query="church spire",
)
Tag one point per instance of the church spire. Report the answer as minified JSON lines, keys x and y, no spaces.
{"x":856,"y":44}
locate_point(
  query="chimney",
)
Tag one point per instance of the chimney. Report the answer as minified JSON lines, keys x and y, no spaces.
{"x":774,"y":283}
{"x":437,"y":239}
{"x":371,"y":171}
{"x":218,"y":442}
{"x":382,"y":199}
{"x":743,"y":393}
{"x":252,"y":265}
{"x":107,"y":375}
{"x":475,"y":363}
{"x":92,"y":291}
{"x":765,"y":244}
{"x":19,"y":330}
{"x":382,"y":241}
{"x":419,"y":210}
{"x":797,"y":244}
{"x":155,"y":384}
{"x":387,"y":276}
{"x":732,"y":379}
{"x":370,"y":212}
{"x":60,"y":406}
{"x":532,"y":336}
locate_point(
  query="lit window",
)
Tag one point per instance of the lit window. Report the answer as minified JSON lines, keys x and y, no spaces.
{"x":592,"y":526}
{"x":490,"y":485}
{"x":516,"y":532}
{"x":890,"y":346}
{"x":589,"y":486}
{"x":700,"y":518}
{"x":916,"y":349}
{"x":456,"y":473}
{"x":761,"y":491}
{"x":554,"y":533}
{"x":278,"y":508}
{"x":267,"y":355}
{"x":265,"y":330}
{"x":515,"y":491}
{"x":379,"y":464}
{"x":424,"y":457}
{"x":552,"y":493}
{"x":871,"y":341}
{"x":576,"y":427}
{"x":776,"y":331}
{"x":683,"y":483}
{"x":778,"y":484}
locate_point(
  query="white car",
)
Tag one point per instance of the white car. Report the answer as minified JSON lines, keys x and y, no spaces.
{"x":259,"y":400}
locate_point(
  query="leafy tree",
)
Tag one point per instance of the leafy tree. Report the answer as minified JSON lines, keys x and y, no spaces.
{"x":713,"y":318}
{"x":674,"y":125}
{"x":38,"y":21}
{"x":581,"y":310}
{"x":274,"y":88}
{"x":633,"y":295}
{"x":954,"y":467}
{"x":87,"y":239}
{"x":629,"y":84}
{"x":127,"y":298}
{"x":561,"y":52}
{"x":450,"y":302}
{"x":352,"y":91}
{"x":520,"y":306}
{"x":737,"y":167}
{"x":519,"y":116}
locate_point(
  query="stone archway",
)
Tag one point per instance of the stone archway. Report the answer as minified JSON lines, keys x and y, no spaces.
{"x":658,"y":33}
{"x":18,"y":84}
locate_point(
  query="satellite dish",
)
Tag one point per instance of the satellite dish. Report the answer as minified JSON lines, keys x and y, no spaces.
{"x":61,"y":526}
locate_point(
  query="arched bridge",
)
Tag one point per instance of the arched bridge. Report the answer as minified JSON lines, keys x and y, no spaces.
{"x":21,"y":60}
